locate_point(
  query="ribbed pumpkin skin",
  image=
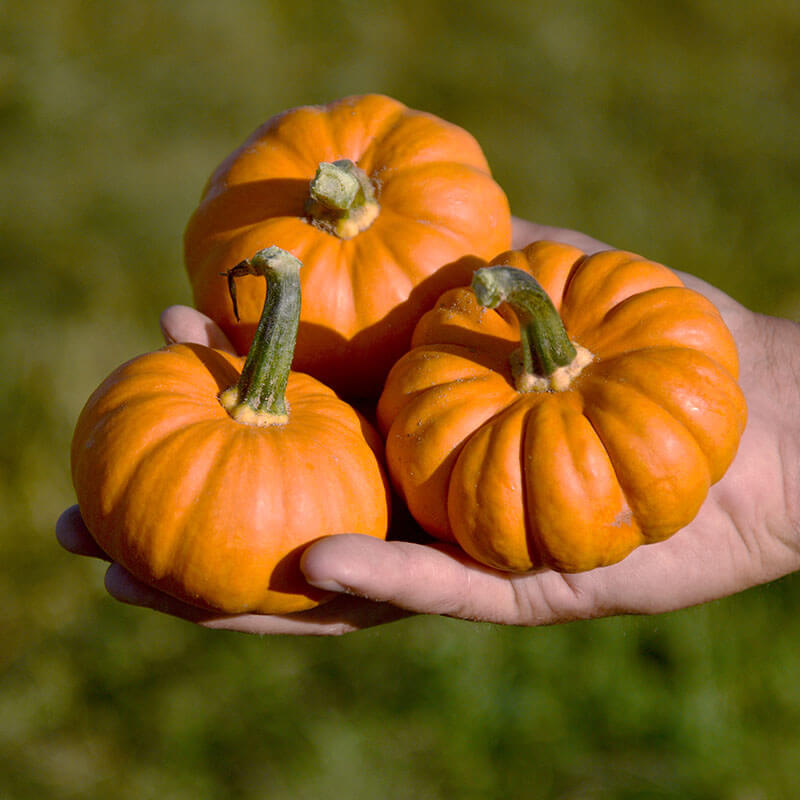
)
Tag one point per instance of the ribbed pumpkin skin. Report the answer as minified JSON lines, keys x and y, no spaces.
{"x":210,"y":510}
{"x":576,"y":479}
{"x":361,"y":296}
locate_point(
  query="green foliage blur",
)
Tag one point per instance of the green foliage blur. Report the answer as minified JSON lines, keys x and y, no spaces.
{"x":668,"y":128}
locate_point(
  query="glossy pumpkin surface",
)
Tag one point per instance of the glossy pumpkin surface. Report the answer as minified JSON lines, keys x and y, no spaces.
{"x":206,"y":475}
{"x":576,"y":478}
{"x":433,"y":204}
{"x":211,"y":510}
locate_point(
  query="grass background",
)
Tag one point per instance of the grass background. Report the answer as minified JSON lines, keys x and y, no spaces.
{"x":670,"y":128}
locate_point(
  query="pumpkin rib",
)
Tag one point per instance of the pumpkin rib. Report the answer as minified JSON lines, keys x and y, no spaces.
{"x":603,"y":280}
{"x":407,"y":143}
{"x":185,"y":405}
{"x":257,"y":163}
{"x":393,"y":215}
{"x":243,"y":555}
{"x":525,"y":543}
{"x":327,"y":297}
{"x":327,"y":419}
{"x":441,"y":195}
{"x":375,"y":115}
{"x":565,"y":283}
{"x":647,"y":485}
{"x":553,"y":264}
{"x":263,"y":154}
{"x":230,"y":221}
{"x":132,"y":505}
{"x":538,"y":555}
{"x":147,"y":372}
{"x":488,"y":475}
{"x":373,"y":126}
{"x":414,"y":171}
{"x":403,"y":244}
{"x":348,"y":493}
{"x":369,"y":156}
{"x":185,"y":543}
{"x":122,"y":420}
{"x":423,"y":368}
{"x":423,"y":482}
{"x":722,"y":398}
{"x":648,"y":320}
{"x":447,"y":236}
{"x":366,"y":251}
{"x":577,"y":508}
{"x":457,"y":319}
{"x":306,"y":133}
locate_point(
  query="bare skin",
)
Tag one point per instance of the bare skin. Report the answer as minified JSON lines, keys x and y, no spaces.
{"x":747,"y":532}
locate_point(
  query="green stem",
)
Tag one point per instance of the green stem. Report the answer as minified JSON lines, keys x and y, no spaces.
{"x":341,"y":199}
{"x":259,"y":397}
{"x":545,"y":347}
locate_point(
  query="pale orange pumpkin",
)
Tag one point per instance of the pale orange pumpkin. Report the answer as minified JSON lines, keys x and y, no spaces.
{"x":206,"y":475}
{"x":587,"y":414}
{"x":383,"y":204}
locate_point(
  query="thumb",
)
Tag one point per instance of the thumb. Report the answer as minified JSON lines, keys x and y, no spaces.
{"x":185,"y":324}
{"x":423,"y":579}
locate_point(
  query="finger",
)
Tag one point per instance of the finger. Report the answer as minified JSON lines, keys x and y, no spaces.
{"x":123,"y":586}
{"x":73,"y":535}
{"x":344,"y":614}
{"x":442,"y":579}
{"x":419,"y":578}
{"x":525,"y":232}
{"x":339,"y":616}
{"x":185,"y":324}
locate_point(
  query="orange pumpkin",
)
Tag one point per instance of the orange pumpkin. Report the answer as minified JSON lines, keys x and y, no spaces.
{"x":587,"y":414}
{"x":383,"y":204}
{"x":206,"y":476}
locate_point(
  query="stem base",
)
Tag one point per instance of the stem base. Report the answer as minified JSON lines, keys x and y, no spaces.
{"x":247,"y":415}
{"x":341,"y":199}
{"x":557,"y":381}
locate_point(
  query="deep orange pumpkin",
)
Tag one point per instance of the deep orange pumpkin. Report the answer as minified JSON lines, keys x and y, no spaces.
{"x":569,"y":459}
{"x":379,"y":201}
{"x":211,"y":493}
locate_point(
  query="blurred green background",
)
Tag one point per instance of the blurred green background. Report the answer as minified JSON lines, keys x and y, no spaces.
{"x":670,"y":128}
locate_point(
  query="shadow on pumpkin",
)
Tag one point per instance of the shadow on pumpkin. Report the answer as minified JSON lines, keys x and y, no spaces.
{"x":339,"y":362}
{"x":287,"y":577}
{"x":218,"y":366}
{"x":355,"y":367}
{"x":242,"y":204}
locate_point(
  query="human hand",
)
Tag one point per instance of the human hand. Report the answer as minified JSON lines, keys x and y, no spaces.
{"x":746,"y":533}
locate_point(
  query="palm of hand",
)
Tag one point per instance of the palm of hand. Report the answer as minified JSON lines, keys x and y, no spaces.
{"x":745,"y":533}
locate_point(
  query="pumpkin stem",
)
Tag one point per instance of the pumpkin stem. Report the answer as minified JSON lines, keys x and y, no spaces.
{"x":259,"y":398}
{"x":341,"y":199}
{"x":547,"y":360}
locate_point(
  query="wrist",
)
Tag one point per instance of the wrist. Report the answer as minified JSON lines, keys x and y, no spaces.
{"x":780,"y":340}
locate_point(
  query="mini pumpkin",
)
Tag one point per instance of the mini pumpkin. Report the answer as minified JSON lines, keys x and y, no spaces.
{"x":564,"y":410}
{"x":386,"y":206}
{"x":206,"y":474}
